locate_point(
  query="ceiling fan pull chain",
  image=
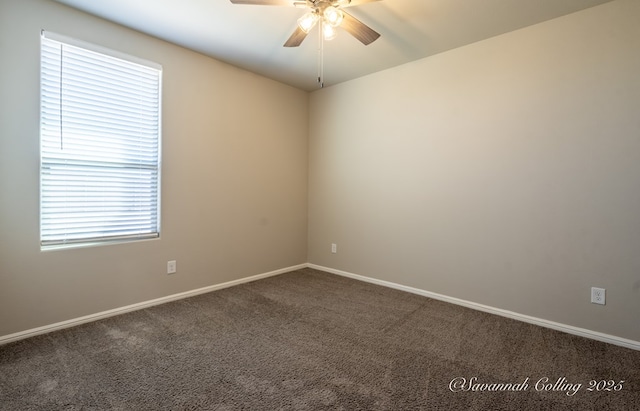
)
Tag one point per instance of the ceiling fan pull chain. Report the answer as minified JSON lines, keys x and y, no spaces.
{"x":320,"y":57}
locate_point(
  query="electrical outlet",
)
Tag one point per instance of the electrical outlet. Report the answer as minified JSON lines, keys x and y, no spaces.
{"x":171,"y":267}
{"x":597,"y":295}
{"x":334,"y":248}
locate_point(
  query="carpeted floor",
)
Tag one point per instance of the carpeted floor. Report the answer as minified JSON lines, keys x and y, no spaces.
{"x":309,"y":340}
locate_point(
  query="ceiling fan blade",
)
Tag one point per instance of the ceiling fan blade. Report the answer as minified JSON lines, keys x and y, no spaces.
{"x":265,"y":2}
{"x":358,"y":29}
{"x":296,"y":38}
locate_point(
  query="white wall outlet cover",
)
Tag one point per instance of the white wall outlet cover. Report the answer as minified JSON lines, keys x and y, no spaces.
{"x":598,"y":295}
{"x":171,"y":267}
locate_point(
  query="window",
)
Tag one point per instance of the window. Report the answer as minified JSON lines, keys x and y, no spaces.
{"x":99,"y":144}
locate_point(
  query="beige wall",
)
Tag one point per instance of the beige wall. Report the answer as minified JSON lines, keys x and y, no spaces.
{"x":505,"y":173}
{"x":234,"y":178}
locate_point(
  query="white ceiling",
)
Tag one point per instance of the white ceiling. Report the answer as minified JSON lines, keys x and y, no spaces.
{"x":251,"y":37}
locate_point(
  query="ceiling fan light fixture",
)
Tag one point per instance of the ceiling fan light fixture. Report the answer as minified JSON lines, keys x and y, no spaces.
{"x":333,"y":16}
{"x":329,"y":32}
{"x":307,"y":21}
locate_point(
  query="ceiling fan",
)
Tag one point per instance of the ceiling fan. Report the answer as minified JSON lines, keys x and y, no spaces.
{"x":328,"y":14}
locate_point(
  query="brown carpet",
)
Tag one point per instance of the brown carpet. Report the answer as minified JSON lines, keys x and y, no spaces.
{"x":309,"y":340}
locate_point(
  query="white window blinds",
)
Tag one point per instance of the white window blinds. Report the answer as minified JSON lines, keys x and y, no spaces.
{"x":100,"y":145}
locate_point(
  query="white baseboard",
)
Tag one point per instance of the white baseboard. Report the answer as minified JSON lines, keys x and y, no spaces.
{"x":138,"y":306}
{"x":594,"y":335}
{"x":582,"y":332}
